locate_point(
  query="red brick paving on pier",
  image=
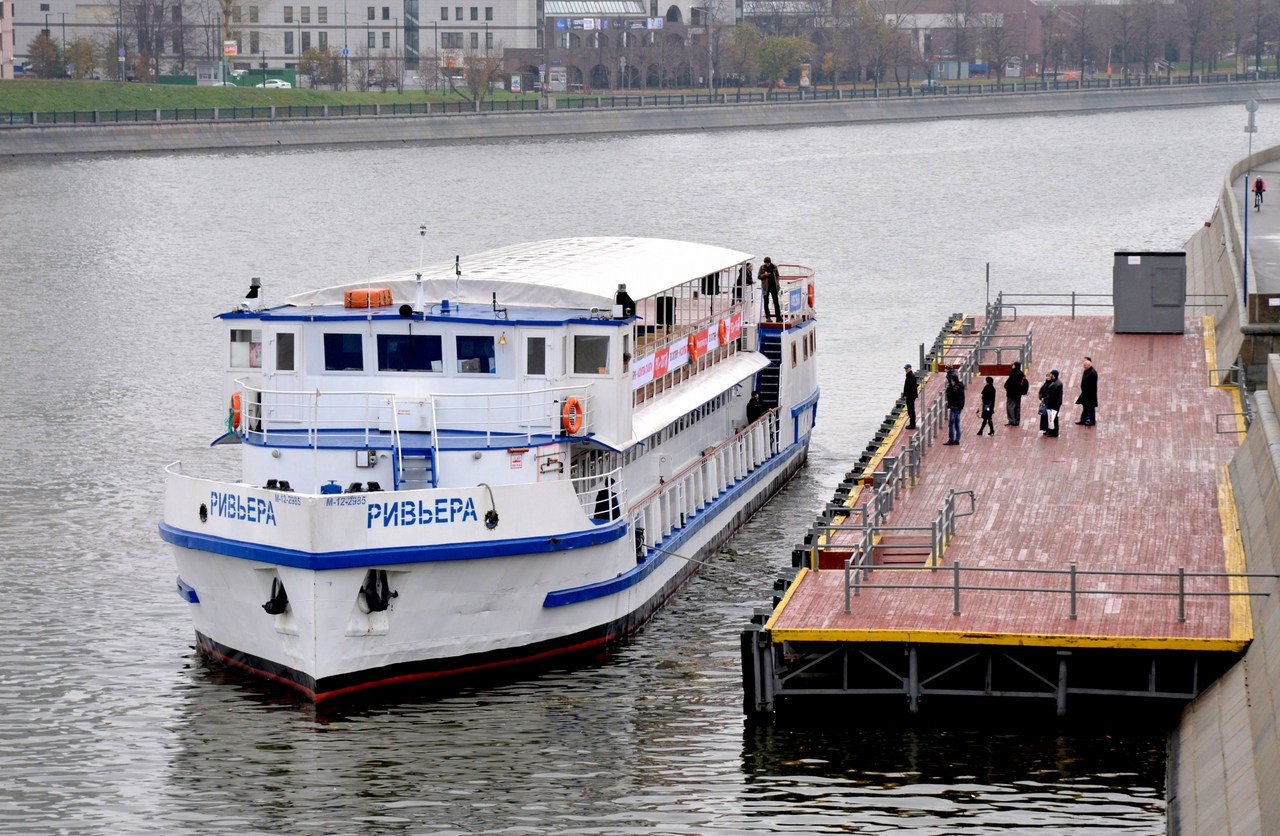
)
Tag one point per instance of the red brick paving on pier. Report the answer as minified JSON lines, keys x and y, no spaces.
{"x":1141,"y":491}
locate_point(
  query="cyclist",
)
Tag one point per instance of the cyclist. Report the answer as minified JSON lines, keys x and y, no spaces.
{"x":1258,"y":188}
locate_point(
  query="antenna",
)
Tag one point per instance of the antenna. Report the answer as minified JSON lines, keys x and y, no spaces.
{"x":422,"y":243}
{"x":457,"y":274}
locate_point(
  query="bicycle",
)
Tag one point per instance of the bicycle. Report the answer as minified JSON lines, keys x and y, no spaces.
{"x":1257,"y":200}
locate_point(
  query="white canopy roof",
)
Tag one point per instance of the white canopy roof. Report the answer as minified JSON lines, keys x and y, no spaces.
{"x":559,"y":273}
{"x":688,"y":396}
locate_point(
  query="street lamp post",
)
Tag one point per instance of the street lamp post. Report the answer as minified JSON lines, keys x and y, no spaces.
{"x":1251,"y":128}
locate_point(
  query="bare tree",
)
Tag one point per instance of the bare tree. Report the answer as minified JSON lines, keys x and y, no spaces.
{"x":479,"y":70}
{"x":961,"y":18}
{"x":997,"y":42}
{"x":1124,"y":34}
{"x":151,"y":25}
{"x":1200,"y":23}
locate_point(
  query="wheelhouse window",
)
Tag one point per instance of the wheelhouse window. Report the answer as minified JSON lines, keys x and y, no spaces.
{"x":343,"y":353}
{"x":410,"y":353}
{"x":475,"y":355}
{"x":284,"y":352}
{"x":246,"y":349}
{"x":590,"y":354}
{"x":535,"y":362}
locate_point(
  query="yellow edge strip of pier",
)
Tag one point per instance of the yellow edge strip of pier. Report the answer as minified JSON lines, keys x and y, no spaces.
{"x":1014,"y":639}
{"x":1241,"y":618}
{"x":782,"y":605}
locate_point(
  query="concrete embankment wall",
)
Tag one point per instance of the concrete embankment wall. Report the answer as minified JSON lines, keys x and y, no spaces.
{"x":1225,"y":756}
{"x":245,"y":134}
{"x":1224,"y":759}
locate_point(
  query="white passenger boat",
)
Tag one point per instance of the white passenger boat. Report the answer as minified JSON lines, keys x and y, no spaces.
{"x":489,"y":462}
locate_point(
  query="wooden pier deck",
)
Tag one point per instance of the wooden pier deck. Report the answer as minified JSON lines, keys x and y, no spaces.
{"x":1113,"y":538}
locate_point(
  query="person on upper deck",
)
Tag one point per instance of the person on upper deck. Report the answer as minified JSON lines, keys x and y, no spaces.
{"x":755,"y":408}
{"x":768,"y":275}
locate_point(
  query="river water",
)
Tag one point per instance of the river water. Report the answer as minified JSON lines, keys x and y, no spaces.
{"x":111,"y":271}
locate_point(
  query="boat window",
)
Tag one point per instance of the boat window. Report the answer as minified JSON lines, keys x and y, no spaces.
{"x":535,"y":353}
{"x":343,"y":353}
{"x":590,"y":354}
{"x":284,"y":352}
{"x":475,"y":355}
{"x":410,"y":353}
{"x":246,"y":349}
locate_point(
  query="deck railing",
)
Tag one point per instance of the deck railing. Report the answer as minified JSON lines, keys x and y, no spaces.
{"x":278,"y":414}
{"x":1172,"y":584}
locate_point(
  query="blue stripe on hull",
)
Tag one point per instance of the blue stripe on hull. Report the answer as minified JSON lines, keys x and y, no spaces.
{"x":679,"y":537}
{"x":428,"y":553}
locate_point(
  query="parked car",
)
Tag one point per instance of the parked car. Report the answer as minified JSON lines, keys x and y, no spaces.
{"x":277,"y":83}
{"x":930,"y":85}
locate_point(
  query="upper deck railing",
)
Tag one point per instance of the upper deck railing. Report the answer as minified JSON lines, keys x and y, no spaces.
{"x":313,"y":417}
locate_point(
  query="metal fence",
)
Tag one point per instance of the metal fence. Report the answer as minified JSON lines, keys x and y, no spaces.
{"x":723,"y":97}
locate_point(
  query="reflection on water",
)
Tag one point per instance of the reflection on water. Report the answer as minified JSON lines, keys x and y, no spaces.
{"x":112,"y":270}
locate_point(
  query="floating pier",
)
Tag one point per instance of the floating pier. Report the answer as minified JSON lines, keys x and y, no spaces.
{"x":1103,"y":563}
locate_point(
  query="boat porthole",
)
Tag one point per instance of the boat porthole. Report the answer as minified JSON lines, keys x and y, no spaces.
{"x":204,"y":512}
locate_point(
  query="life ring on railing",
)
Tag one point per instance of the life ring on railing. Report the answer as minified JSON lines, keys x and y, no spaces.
{"x":571,"y":415}
{"x":723,"y":332}
{"x":235,"y":410}
{"x":811,"y":294}
{"x":693,"y":348}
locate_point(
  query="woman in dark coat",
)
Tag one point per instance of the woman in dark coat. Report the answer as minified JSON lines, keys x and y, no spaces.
{"x":1051,"y":398}
{"x":988,"y":406}
{"x":1088,"y":399}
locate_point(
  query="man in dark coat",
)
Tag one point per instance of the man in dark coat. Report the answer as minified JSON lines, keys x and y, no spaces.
{"x":955,"y":406}
{"x":768,"y":275}
{"x":1051,"y":398}
{"x":1014,"y":388}
{"x":755,"y":408}
{"x":910,"y":391}
{"x":1088,"y":399}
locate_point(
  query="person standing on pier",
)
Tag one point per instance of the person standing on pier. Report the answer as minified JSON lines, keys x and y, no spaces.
{"x":910,"y":391}
{"x":1088,"y":399}
{"x":768,"y":276}
{"x":1014,"y":388}
{"x":988,"y":408}
{"x":955,"y":405}
{"x":1050,"y":404}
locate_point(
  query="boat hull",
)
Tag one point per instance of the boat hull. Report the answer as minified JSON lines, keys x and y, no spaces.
{"x":445,"y":622}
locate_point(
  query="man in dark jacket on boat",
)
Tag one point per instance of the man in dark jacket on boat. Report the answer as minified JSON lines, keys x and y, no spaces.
{"x":768,"y":275}
{"x":755,"y":408}
{"x":1014,"y":388}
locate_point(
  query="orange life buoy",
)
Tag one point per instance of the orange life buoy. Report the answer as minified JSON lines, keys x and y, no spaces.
{"x":571,"y":415}
{"x":235,"y":410}
{"x":693,"y":348}
{"x":723,"y":332}
{"x":811,"y":294}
